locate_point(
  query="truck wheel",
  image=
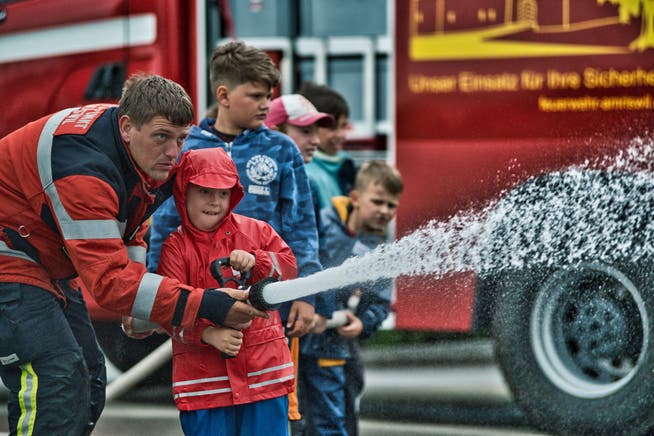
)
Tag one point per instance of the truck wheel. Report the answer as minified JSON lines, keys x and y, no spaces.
{"x":575,"y":347}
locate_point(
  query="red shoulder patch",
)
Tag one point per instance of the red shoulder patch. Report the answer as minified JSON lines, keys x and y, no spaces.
{"x":79,"y":120}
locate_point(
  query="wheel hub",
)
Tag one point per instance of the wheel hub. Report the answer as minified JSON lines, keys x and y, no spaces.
{"x":589,"y":330}
{"x":598,"y":331}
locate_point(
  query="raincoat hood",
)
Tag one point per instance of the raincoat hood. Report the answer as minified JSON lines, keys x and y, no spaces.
{"x":210,"y":168}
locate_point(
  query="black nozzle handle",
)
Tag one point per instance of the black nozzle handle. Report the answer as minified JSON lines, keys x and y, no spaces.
{"x":218,"y":275}
{"x":256,"y":295}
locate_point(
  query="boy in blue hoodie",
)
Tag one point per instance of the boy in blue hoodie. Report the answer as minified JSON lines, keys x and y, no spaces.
{"x":269,"y":165}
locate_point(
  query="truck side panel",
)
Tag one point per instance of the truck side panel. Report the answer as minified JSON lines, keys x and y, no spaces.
{"x":490,"y":93}
{"x":59,"y":54}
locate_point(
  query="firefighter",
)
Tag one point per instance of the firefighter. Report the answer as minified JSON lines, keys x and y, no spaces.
{"x":77,"y":187}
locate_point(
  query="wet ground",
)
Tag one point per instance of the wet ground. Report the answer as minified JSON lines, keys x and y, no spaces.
{"x":445,"y":390}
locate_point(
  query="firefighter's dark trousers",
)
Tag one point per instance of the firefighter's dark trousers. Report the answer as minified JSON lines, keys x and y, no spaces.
{"x":50,"y":361}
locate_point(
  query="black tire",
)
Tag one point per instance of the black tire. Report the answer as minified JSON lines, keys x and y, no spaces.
{"x":575,"y":347}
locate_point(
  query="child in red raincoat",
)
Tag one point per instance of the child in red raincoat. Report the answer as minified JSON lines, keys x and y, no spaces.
{"x":246,"y":394}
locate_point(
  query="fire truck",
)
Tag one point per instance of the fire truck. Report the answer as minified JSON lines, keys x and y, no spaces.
{"x":491,"y":99}
{"x":474,"y":100}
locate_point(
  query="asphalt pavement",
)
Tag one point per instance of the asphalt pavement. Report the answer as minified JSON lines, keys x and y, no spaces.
{"x":448,"y":388}
{"x":136,"y":419}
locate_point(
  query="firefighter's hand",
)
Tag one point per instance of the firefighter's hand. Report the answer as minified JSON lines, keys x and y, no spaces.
{"x":353,"y":328}
{"x":241,"y":261}
{"x":300,"y":319}
{"x":319,"y":324}
{"x":224,"y":339}
{"x":129,"y":326}
{"x":227,"y":307}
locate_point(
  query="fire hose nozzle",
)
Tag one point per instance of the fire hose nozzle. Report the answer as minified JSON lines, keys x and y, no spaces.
{"x":257,"y":298}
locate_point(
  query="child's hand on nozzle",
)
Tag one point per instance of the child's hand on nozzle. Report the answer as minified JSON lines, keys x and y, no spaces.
{"x":224,"y":339}
{"x":241,"y":261}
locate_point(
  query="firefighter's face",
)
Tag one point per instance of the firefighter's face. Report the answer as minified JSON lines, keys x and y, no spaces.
{"x":375,"y":207}
{"x":155,"y":145}
{"x":242,"y":107}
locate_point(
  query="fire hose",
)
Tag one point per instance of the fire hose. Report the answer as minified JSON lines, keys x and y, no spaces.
{"x":267,"y":294}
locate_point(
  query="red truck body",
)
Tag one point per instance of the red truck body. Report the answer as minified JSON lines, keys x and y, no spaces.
{"x":59,"y":54}
{"x":497,"y":98}
{"x":477,"y":87}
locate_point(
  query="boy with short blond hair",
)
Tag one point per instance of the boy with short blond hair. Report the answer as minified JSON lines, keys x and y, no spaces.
{"x":353,"y":226}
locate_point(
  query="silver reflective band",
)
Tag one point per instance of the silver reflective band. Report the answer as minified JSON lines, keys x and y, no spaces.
{"x":88,"y":229}
{"x":145,"y":295}
{"x":201,"y":380}
{"x":197,"y":394}
{"x":71,"y":229}
{"x":271,"y":369}
{"x":136,"y":253}
{"x":5,"y":250}
{"x":272,"y":382}
{"x":275,"y":268}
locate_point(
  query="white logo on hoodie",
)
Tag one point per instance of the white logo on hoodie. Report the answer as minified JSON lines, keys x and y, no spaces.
{"x":261,"y":169}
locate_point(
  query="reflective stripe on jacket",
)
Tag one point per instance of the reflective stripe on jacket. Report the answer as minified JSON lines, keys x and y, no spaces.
{"x":75,"y":204}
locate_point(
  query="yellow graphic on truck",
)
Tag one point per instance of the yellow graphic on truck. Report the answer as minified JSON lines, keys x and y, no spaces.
{"x":451,"y":29}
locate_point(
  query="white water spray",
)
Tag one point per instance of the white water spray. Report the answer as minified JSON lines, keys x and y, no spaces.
{"x":601,"y":210}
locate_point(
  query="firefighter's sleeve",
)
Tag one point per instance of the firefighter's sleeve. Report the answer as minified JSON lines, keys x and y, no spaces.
{"x":85,"y":209}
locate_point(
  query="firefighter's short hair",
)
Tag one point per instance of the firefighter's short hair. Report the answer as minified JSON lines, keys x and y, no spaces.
{"x":147,"y":96}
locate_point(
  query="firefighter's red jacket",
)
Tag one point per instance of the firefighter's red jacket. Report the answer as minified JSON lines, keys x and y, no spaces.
{"x":75,"y":203}
{"x":263,"y":368}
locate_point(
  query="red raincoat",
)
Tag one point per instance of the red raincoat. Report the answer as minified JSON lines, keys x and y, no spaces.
{"x":263,"y":368}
